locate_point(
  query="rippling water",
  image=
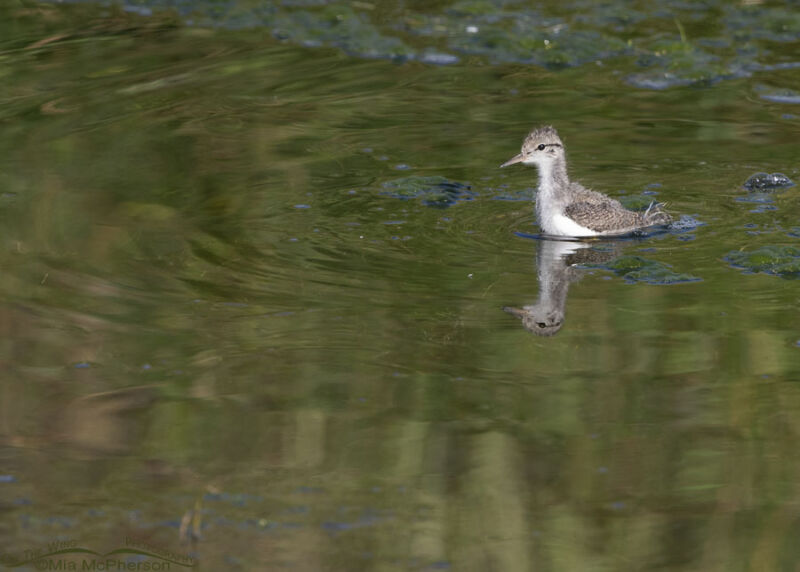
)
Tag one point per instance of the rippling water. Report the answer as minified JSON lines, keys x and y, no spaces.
{"x":254,"y":278}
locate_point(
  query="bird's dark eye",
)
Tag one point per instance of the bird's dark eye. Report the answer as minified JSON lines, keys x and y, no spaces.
{"x":541,"y":324}
{"x":541,"y":147}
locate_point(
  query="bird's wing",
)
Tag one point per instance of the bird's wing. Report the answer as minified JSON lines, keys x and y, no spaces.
{"x":603,"y":216}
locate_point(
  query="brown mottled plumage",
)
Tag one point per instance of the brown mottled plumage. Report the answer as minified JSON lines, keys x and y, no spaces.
{"x":611,"y":216}
{"x":566,"y":208}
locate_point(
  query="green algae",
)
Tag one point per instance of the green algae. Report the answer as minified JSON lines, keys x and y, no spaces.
{"x":777,"y":260}
{"x":677,"y":62}
{"x":339,"y":26}
{"x":741,"y":40}
{"x":639,"y":269}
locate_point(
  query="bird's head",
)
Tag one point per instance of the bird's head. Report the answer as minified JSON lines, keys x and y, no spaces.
{"x":541,"y":146}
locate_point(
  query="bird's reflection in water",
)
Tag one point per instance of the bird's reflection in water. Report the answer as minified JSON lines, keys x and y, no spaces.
{"x":558,"y":264}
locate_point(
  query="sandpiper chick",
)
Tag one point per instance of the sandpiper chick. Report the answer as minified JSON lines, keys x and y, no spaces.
{"x":566,"y":208}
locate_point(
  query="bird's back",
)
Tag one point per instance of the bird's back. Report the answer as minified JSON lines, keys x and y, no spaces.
{"x":607,"y":216}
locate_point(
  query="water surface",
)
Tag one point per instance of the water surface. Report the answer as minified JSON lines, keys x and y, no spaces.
{"x":253,"y":287}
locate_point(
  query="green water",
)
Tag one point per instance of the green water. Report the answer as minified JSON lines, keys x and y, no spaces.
{"x":252,"y":295}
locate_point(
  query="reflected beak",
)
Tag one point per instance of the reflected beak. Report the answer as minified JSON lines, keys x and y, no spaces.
{"x":515,"y":159}
{"x":519,"y":313}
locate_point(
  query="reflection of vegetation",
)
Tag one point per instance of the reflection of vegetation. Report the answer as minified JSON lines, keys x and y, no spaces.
{"x":681,"y":31}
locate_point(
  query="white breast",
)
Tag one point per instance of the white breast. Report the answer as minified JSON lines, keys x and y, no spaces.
{"x":561,"y":225}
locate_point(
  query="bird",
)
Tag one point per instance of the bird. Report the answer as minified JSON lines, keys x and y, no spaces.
{"x":566,"y":208}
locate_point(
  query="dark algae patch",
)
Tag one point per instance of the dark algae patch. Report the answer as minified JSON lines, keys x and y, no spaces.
{"x":787,"y":96}
{"x":775,"y":24}
{"x":675,"y":62}
{"x":434,"y":191}
{"x":639,"y":269}
{"x":767,"y":182}
{"x":774,"y":95}
{"x":781,"y":261}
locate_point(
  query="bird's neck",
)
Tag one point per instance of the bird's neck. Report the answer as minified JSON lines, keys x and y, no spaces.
{"x":553,"y":180}
{"x":552,"y":194}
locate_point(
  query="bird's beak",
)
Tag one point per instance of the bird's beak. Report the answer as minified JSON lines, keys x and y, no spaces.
{"x":515,"y":159}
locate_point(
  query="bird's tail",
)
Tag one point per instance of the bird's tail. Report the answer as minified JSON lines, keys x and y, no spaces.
{"x":655,"y":214}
